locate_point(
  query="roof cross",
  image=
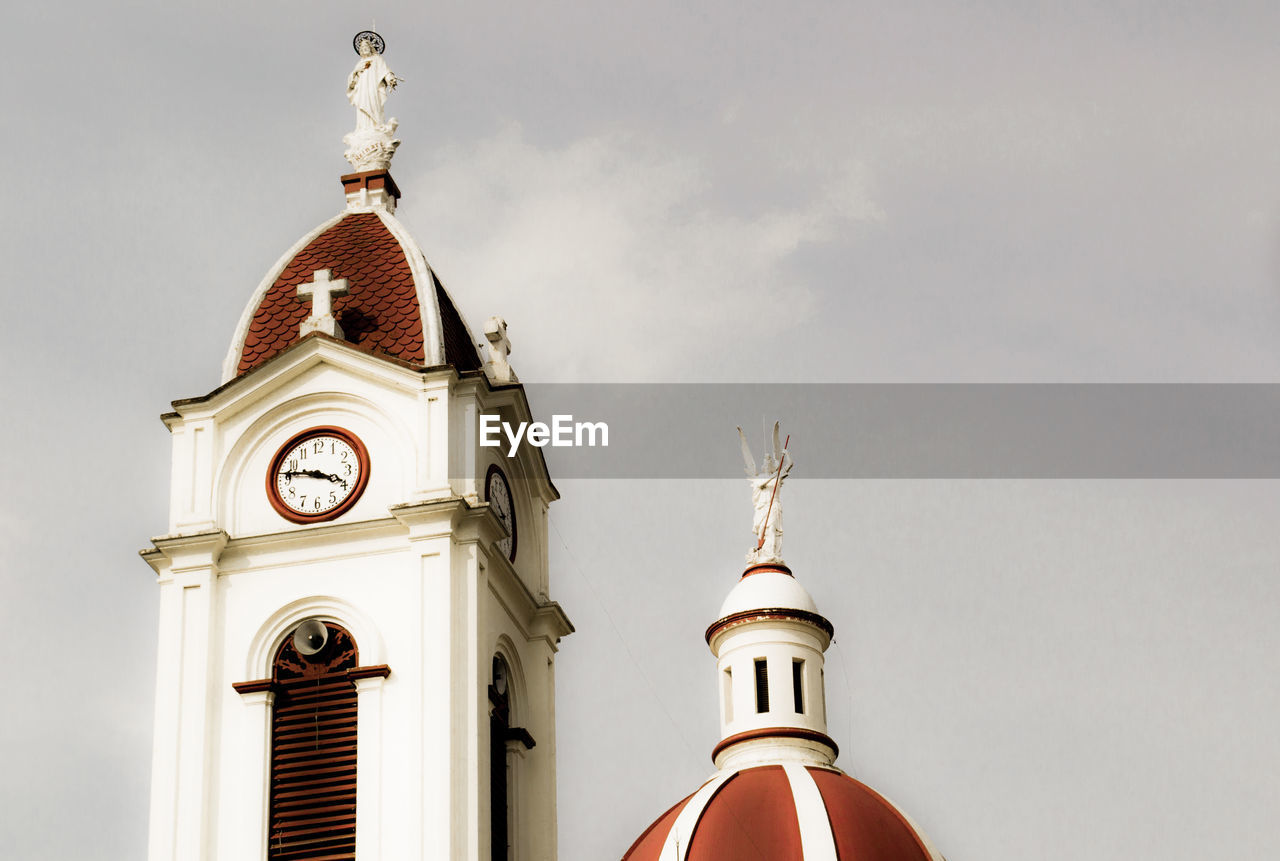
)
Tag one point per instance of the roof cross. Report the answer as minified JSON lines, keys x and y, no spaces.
{"x":495,"y":332}
{"x":321,"y":292}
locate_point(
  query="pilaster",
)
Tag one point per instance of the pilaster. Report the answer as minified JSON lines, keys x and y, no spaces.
{"x":191,"y":497}
{"x":441,"y":534}
{"x":251,"y":811}
{"x":369,"y":768}
{"x":187,"y":566}
{"x":431,"y":472}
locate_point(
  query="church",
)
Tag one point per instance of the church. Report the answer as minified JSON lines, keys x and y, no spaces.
{"x":357,"y":625}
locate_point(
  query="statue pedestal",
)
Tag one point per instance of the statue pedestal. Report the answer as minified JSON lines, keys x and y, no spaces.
{"x":371,"y":149}
{"x":371,"y":188}
{"x":763,"y":567}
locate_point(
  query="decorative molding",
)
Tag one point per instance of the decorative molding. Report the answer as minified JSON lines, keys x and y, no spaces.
{"x":777,"y":732}
{"x":465,"y":522}
{"x":378,"y":671}
{"x":424,"y":281}
{"x":374,"y":180}
{"x":253,"y":687}
{"x":780,"y":614}
{"x":551,"y":621}
{"x":262,"y":647}
{"x":184,"y":553}
{"x":762,"y":567}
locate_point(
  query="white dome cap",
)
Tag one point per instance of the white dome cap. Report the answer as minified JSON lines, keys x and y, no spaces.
{"x":767,"y":589}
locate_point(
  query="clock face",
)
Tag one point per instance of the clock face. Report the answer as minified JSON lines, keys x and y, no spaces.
{"x":498,"y":494}
{"x":317,"y":475}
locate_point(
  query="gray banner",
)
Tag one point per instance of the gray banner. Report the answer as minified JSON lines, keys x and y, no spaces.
{"x":922,"y":431}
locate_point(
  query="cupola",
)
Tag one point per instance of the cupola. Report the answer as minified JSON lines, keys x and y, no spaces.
{"x":358,"y":277}
{"x":769,"y":642}
{"x":776,"y":793}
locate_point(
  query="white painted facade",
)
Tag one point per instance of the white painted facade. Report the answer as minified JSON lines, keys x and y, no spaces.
{"x":410,"y":571}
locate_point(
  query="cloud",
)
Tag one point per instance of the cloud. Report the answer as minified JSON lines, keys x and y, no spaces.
{"x":615,"y":252}
{"x":15,"y":530}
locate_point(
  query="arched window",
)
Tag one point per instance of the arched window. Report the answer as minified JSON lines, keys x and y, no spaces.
{"x":499,"y":768}
{"x":506,"y":742}
{"x":313,"y":746}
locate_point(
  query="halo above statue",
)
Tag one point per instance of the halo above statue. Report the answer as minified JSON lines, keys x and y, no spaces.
{"x":374,"y":39}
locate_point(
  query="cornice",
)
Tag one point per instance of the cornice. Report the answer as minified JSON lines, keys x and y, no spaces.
{"x":296,"y":359}
{"x":355,"y":674}
{"x":453,"y":515}
{"x":779,"y":614}
{"x":777,"y":732}
{"x":186,"y":552}
{"x":514,"y":397}
{"x":545,"y":619}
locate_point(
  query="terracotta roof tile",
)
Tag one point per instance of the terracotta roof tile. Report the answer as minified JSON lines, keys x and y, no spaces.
{"x":380,"y":311}
{"x":753,"y":815}
{"x":458,"y":349}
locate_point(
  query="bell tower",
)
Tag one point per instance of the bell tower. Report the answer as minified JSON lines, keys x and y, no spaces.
{"x":357,"y":638}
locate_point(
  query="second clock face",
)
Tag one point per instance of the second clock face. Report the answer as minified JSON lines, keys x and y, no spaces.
{"x":318,"y":475}
{"x":498,"y":494}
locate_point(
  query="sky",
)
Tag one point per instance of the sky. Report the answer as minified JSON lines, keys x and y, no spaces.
{"x":902,"y":192}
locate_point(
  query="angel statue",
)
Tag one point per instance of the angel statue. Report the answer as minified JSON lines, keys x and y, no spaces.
{"x":766,"y":484}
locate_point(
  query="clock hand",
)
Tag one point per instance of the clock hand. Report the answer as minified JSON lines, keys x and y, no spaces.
{"x":315,"y":473}
{"x":310,"y":473}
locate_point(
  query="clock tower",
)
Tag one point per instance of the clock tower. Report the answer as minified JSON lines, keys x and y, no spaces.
{"x":357,"y":638}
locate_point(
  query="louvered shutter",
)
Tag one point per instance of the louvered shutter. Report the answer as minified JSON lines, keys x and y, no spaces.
{"x":313,"y":753}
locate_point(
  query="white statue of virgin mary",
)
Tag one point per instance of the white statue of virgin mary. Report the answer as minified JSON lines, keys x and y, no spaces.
{"x":368,"y":86}
{"x":373,"y":142}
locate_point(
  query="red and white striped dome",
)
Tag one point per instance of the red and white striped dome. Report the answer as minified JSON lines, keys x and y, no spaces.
{"x":777,"y":795}
{"x":786,"y":812}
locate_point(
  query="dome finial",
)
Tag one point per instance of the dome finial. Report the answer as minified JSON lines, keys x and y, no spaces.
{"x":765,"y":484}
{"x":373,"y":143}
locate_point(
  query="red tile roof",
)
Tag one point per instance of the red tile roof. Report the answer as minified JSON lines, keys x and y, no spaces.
{"x":751,"y":818}
{"x":753,"y":815}
{"x":459,"y":351}
{"x":863,"y":823}
{"x":649,"y":844}
{"x":380,"y":311}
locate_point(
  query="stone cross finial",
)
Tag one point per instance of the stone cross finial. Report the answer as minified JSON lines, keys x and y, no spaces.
{"x":321,"y":292}
{"x":495,"y":332}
